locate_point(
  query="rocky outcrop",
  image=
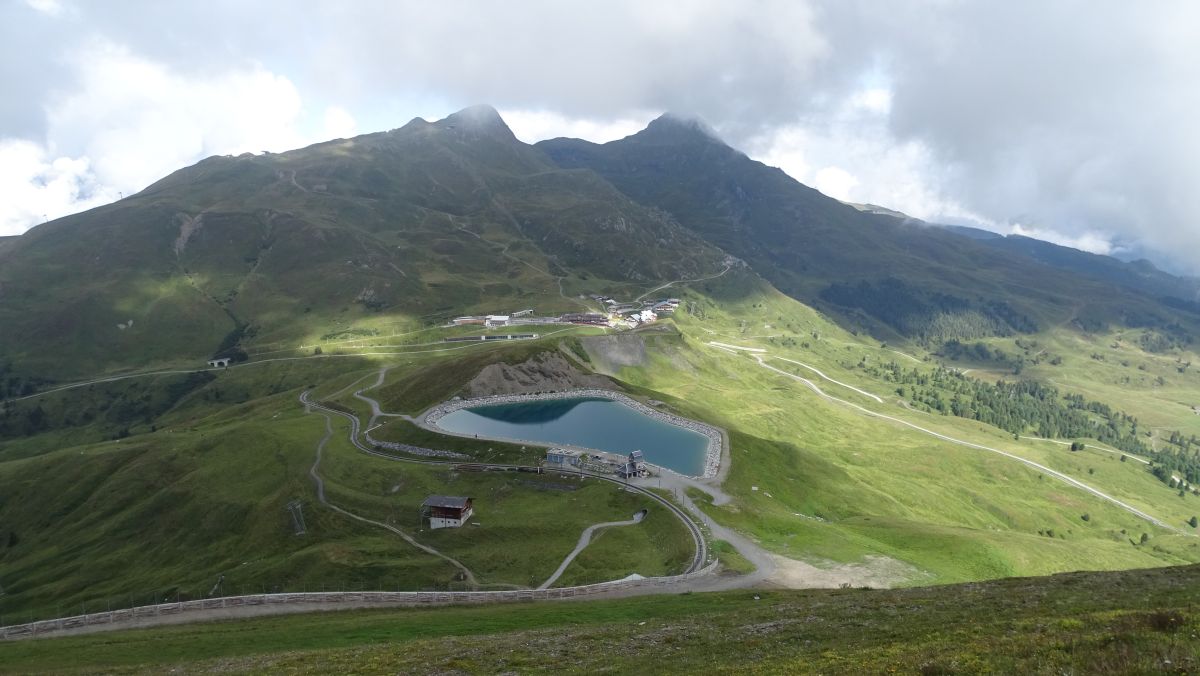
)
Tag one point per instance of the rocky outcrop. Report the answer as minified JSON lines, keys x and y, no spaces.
{"x":546,"y":372}
{"x":188,"y":226}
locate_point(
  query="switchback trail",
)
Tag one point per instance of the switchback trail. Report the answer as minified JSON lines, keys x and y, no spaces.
{"x":678,"y":484}
{"x":701,"y":550}
{"x":584,"y":541}
{"x":376,"y":412}
{"x":835,"y":382}
{"x":320,"y":484}
{"x":1042,"y":468}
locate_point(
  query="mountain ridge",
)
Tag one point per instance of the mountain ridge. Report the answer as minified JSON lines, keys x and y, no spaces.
{"x":458,"y":213}
{"x":815,"y":248}
{"x":452,"y":212}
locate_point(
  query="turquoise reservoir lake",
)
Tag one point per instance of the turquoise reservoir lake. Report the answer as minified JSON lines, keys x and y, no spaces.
{"x":601,"y":424}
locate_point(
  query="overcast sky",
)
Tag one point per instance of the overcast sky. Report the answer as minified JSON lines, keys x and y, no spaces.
{"x":1072,"y":121}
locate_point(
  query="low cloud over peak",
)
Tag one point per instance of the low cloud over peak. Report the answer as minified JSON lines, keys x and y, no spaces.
{"x":1071,"y":118}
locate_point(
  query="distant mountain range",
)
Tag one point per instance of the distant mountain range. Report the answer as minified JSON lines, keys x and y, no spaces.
{"x":1136,"y":273}
{"x":870,"y":264}
{"x":458,"y":215}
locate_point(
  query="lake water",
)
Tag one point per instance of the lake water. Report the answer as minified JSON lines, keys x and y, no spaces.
{"x":601,"y":424}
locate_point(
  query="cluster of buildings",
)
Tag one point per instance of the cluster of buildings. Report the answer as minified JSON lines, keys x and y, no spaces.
{"x":618,"y":314}
{"x":488,"y":321}
{"x":638,"y":313}
{"x":626,"y":467}
{"x":519,"y":319}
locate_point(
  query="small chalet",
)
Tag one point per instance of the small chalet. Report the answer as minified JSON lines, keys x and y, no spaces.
{"x":444,"y":511}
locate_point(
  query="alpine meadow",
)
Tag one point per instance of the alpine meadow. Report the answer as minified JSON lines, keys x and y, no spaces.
{"x":250,"y":417}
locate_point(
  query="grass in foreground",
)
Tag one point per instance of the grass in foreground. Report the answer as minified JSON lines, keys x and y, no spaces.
{"x":1123,"y":622}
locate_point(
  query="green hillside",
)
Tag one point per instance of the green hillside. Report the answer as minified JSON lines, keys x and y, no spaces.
{"x":209,"y":472}
{"x":1022,"y":420}
{"x":895,"y":277}
{"x":428,"y":219}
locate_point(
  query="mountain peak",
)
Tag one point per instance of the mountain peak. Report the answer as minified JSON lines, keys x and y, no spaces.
{"x":479,"y":120}
{"x":676,"y":128}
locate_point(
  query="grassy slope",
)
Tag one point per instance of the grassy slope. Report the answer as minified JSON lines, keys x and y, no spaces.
{"x":377,"y":233}
{"x":952,"y":512}
{"x":237,"y":449}
{"x":481,"y":449}
{"x":1126,"y":622}
{"x":167,"y":512}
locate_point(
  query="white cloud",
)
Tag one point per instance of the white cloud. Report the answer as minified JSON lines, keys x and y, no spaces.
{"x":48,"y":7}
{"x":1088,"y":241}
{"x":137,"y":120}
{"x":848,"y":152}
{"x":876,"y":100}
{"x":339,"y":123}
{"x":532,"y":126}
{"x":835,"y":182}
{"x":927,"y":104}
{"x":37,"y":187}
{"x":131,"y":121}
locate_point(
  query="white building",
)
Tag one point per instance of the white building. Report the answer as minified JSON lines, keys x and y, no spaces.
{"x":496,"y":320}
{"x":647,"y":316}
{"x":219,"y":363}
{"x":563,"y":457}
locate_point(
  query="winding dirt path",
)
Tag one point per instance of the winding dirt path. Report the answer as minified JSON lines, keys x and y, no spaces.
{"x":728,"y":267}
{"x":147,"y":374}
{"x":969,"y":444}
{"x":376,"y":411}
{"x":320,"y":485}
{"x":835,"y":382}
{"x":767,"y":564}
{"x":584,"y":540}
{"x":699,"y":558}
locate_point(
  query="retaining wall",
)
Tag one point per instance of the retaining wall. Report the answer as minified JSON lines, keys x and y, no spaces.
{"x":382,"y":598}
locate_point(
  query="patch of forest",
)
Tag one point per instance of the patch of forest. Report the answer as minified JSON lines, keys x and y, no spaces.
{"x":1025,"y":407}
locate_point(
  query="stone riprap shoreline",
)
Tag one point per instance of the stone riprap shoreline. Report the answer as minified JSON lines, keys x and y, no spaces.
{"x":415,"y":450}
{"x":712,"y":455}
